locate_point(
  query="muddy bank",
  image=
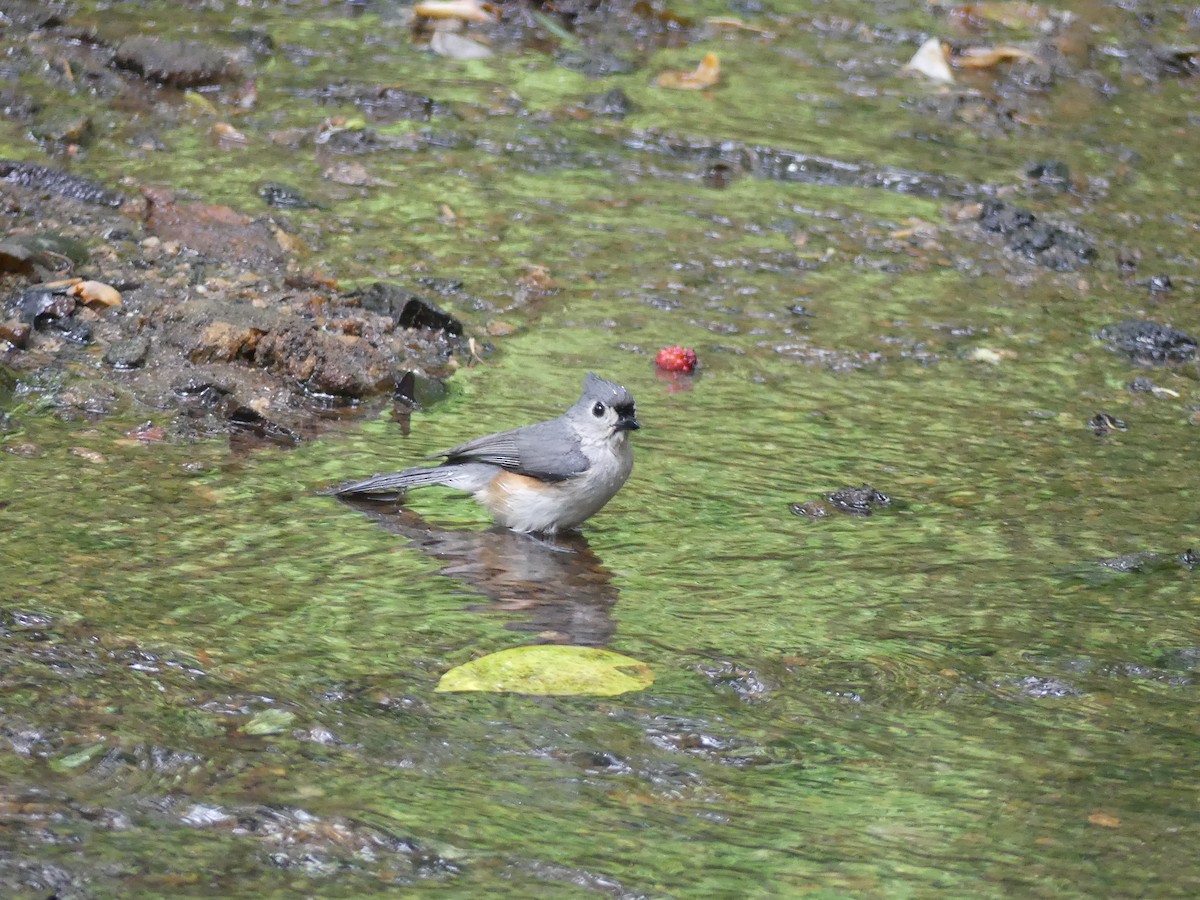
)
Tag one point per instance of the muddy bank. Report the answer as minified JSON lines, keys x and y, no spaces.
{"x":208,"y":313}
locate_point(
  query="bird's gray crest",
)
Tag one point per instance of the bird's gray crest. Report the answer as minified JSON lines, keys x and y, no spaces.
{"x":608,"y":392}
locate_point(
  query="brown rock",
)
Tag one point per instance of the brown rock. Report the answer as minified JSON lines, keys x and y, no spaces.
{"x":224,"y":342}
{"x":341,"y":366}
{"x":217,"y":231}
{"x":15,"y":332}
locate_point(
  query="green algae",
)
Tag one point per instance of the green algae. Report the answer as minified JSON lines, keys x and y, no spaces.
{"x":925,"y":701}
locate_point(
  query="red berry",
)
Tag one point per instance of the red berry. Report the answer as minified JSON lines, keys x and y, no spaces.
{"x":676,"y":359}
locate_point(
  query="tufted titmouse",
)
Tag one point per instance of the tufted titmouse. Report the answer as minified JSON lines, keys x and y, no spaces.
{"x":546,"y":477}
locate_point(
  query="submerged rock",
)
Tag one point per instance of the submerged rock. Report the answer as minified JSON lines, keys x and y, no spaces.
{"x":181,"y":64}
{"x":130,"y":353}
{"x":58,"y":182}
{"x":853,"y":501}
{"x":1148,"y":342}
{"x":1043,"y":243}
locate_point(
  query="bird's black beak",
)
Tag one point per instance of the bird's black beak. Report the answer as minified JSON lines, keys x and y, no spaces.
{"x":628,"y":423}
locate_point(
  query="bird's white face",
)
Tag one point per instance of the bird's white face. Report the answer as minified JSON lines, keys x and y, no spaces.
{"x":601,"y":422}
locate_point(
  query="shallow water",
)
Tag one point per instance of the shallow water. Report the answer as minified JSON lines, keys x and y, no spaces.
{"x":217,"y":681}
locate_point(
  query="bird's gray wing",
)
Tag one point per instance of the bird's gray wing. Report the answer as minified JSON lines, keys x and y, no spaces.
{"x":548,"y":450}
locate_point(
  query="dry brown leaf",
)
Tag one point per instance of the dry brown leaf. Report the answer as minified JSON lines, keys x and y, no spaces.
{"x":96,"y":293}
{"x":704,"y":76}
{"x":987,"y":57}
{"x":463,"y":10}
{"x":1104,"y":820}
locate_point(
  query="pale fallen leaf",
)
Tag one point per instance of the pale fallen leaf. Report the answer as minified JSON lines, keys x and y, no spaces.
{"x":988,"y":355}
{"x":550,"y":669}
{"x":464,"y":10}
{"x":355,"y":174}
{"x":930,"y":61}
{"x":733,"y":22}
{"x":91,"y":456}
{"x":986,"y":57}
{"x":455,"y":46}
{"x":1104,"y":820}
{"x":703,"y":76}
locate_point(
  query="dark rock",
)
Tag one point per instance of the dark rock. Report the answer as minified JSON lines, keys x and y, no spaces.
{"x":130,"y":353}
{"x":1141,"y":385}
{"x":58,"y":182}
{"x":1102,"y":423}
{"x":613,"y":104}
{"x":418,"y":313}
{"x":811,"y":509}
{"x":199,"y":391}
{"x":859,"y":501}
{"x":1043,"y":243}
{"x":1052,"y":173}
{"x":595,"y":64}
{"x":392,"y":104}
{"x":1149,"y":342}
{"x":443,"y":286}
{"x":383,"y":103}
{"x":407,"y":310}
{"x":1159,"y":284}
{"x":39,"y":305}
{"x":33,"y":15}
{"x":1181,"y":659}
{"x":251,"y":423}
{"x":181,"y":64}
{"x":717,"y":176}
{"x":417,"y":391}
{"x":76,"y":332}
{"x":284,"y":196}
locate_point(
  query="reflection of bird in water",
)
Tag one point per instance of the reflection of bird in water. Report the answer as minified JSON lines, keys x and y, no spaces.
{"x":562,"y":588}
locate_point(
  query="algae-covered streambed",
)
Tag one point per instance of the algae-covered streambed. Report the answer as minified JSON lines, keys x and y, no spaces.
{"x":216,"y":682}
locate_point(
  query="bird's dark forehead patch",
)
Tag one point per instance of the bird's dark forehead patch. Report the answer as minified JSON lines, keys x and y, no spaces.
{"x":607,"y":392}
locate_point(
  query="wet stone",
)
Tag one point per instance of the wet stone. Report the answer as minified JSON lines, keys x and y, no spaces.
{"x":15,"y":332}
{"x":200,"y":391}
{"x":250,"y":424}
{"x":859,"y":501}
{"x":1102,"y":423}
{"x":1159,"y":284}
{"x":613,"y":104}
{"x":1051,"y":173}
{"x":284,"y":196}
{"x":130,"y":353}
{"x":1148,"y":342}
{"x":181,"y":64}
{"x":1043,"y":243}
{"x":58,"y":182}
{"x":406,"y":309}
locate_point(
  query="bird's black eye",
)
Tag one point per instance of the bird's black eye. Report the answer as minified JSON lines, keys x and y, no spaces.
{"x":598,"y":410}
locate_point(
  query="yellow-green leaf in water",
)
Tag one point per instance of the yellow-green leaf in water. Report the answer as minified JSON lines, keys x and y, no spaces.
{"x":76,"y":759}
{"x":269,"y":721}
{"x":550,"y":669}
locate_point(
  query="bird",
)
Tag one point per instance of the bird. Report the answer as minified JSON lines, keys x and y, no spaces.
{"x":538,"y":479}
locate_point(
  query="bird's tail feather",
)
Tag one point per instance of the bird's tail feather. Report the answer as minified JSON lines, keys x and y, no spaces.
{"x":394,"y":483}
